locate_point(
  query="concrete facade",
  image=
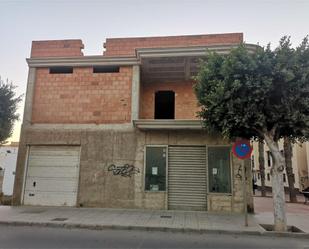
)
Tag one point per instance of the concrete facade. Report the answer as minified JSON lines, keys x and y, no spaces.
{"x":98,"y":112}
{"x":100,"y":148}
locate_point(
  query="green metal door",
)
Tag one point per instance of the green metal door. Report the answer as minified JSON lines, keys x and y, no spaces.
{"x":155,"y":172}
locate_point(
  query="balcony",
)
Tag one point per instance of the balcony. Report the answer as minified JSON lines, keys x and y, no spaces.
{"x":167,"y":124}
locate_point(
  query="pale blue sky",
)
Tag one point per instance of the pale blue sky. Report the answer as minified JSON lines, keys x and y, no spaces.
{"x":93,"y":21}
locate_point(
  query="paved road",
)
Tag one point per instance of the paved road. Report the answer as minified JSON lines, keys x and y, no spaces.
{"x":38,"y":237}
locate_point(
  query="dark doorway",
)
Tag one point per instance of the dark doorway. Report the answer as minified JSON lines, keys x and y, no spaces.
{"x":165,"y":105}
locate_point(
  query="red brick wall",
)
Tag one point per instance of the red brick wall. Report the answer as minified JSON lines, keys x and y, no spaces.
{"x":57,"y":48}
{"x":185,"y":100}
{"x":127,"y":46}
{"x":82,"y":97}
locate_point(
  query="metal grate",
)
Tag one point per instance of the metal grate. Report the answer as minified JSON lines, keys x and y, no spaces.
{"x":187,"y":177}
{"x":166,"y":216}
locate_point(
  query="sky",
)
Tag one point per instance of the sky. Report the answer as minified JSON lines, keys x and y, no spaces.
{"x":93,"y":21}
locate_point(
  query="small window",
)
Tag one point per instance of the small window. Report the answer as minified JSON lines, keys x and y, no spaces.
{"x":268,"y":177}
{"x":61,"y":70}
{"x":106,"y":69}
{"x":155,"y":176}
{"x":165,"y":105}
{"x":219,"y":169}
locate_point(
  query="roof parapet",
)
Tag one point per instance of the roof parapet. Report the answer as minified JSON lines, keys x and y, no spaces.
{"x":57,"y":48}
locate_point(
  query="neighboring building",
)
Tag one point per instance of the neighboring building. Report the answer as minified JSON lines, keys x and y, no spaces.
{"x":1,"y":180}
{"x":120,"y":129}
{"x":305,"y":180}
{"x":8,"y":157}
{"x":299,"y":164}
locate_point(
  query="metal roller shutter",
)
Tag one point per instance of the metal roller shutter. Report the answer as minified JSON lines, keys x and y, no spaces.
{"x":52,"y":176}
{"x":187,"y":177}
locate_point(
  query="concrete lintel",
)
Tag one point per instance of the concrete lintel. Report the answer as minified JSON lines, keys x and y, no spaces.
{"x":96,"y":127}
{"x":135,"y":97}
{"x":151,"y":124}
{"x":189,"y":51}
{"x":82,"y":61}
{"x":29,"y":96}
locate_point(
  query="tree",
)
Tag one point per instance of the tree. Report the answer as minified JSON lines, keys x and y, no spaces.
{"x":8,"y":108}
{"x":262,"y":167}
{"x":258,"y":95}
{"x":288,"y":153}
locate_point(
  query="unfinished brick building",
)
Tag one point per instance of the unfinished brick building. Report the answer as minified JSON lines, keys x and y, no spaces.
{"x":120,"y":129}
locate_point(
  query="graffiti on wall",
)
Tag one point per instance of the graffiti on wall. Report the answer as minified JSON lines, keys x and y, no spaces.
{"x":239,"y":173}
{"x":126,"y":170}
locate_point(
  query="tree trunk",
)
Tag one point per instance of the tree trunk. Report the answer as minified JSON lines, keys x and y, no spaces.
{"x":262,"y":167}
{"x":288,"y":153}
{"x":277,"y":184}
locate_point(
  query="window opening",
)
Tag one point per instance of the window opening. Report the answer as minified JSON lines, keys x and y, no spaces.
{"x":61,"y":70}
{"x":106,"y":69}
{"x":165,"y":105}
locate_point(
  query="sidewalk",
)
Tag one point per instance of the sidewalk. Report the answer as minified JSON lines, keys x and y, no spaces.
{"x":97,"y":218}
{"x":160,"y":220}
{"x":297,"y":213}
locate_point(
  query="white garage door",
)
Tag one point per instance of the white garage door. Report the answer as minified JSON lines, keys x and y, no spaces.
{"x":187,"y":177}
{"x":52,"y":176}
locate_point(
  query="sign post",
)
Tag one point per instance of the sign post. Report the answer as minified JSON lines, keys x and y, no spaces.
{"x":242,"y":149}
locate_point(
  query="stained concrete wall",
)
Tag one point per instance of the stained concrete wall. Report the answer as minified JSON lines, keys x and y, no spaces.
{"x":98,"y":187}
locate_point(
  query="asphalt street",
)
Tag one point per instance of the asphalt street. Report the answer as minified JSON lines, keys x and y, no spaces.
{"x":44,"y":237}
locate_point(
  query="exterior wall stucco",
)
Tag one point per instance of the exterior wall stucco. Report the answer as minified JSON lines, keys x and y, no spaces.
{"x":98,"y":187}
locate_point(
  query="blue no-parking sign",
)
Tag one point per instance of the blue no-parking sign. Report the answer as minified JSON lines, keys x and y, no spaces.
{"x":242,"y":149}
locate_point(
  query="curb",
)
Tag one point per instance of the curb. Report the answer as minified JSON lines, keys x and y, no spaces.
{"x":158,"y":229}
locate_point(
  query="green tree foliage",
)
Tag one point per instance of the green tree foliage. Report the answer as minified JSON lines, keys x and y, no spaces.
{"x":258,"y":95}
{"x":8,"y":106}
{"x":244,"y":94}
